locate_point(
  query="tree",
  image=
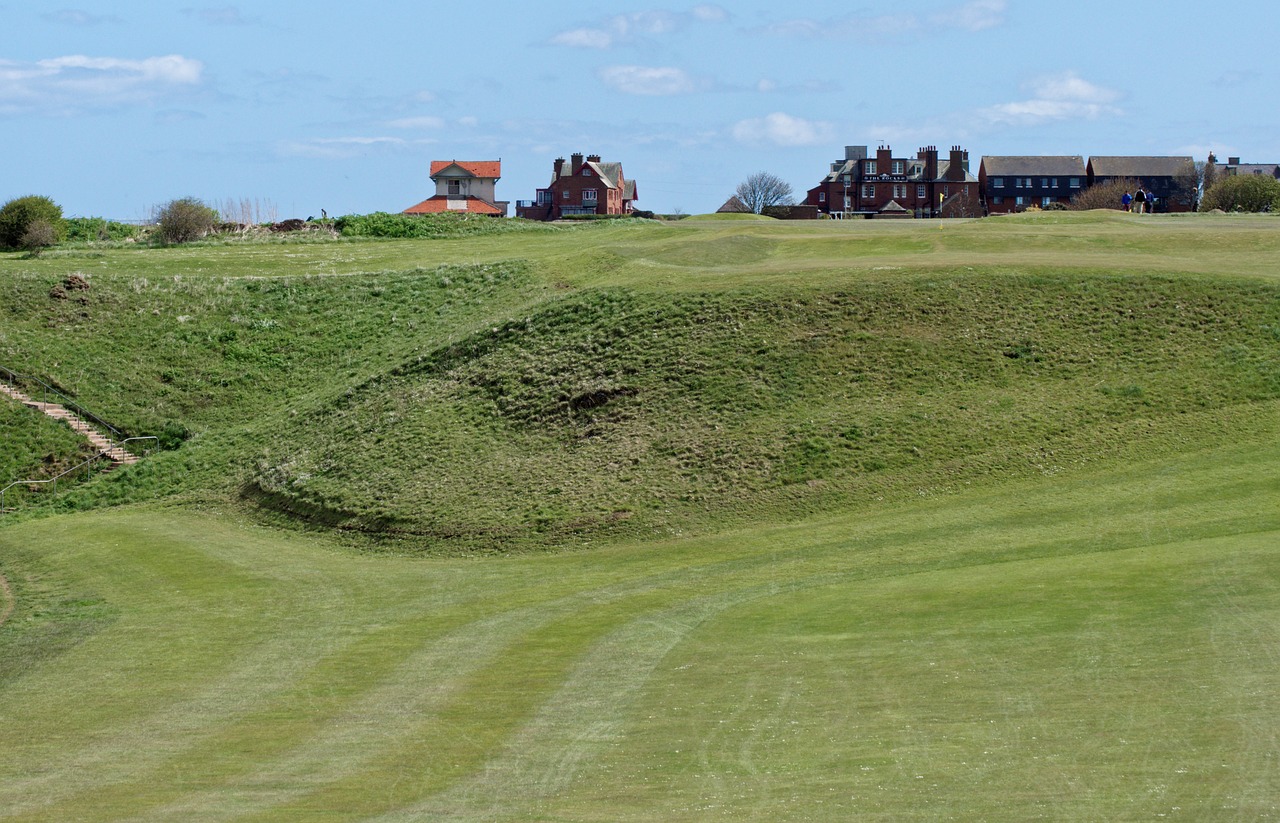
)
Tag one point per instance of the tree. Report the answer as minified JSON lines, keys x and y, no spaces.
{"x":1186,"y":185}
{"x":39,"y":236}
{"x":1209,"y":176}
{"x":18,"y":215}
{"x":1243,"y":192}
{"x":764,"y":189}
{"x":184,"y":220}
{"x":1104,"y":195}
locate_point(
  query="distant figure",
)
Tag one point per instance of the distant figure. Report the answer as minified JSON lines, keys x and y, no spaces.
{"x":1127,"y":201}
{"x":1151,"y":202}
{"x":1139,"y":200}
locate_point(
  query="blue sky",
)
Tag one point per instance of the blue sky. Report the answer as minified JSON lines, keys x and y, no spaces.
{"x":114,"y":108}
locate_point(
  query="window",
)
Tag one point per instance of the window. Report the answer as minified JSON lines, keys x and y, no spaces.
{"x":588,"y":195}
{"x":822,"y":197}
{"x":899,"y":190}
{"x":997,"y":182}
{"x":997,"y":200}
{"x":586,"y":172}
{"x":1044,"y":201}
{"x":455,"y":187}
{"x":1075,"y":182}
{"x":1018,"y":200}
{"x":897,"y":167}
{"x":566,"y":194}
{"x":1028,"y":183}
{"x":544,"y":197}
{"x":868,"y":167}
{"x":920,"y":193}
{"x":868,"y":191}
{"x":1044,"y":182}
{"x":1055,"y":182}
{"x":1017,"y":181}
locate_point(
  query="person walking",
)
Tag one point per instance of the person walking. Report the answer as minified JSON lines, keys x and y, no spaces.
{"x":1127,"y":201}
{"x":1139,"y":200}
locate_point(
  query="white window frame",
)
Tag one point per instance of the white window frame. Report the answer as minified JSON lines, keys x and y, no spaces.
{"x":868,"y":191}
{"x":869,"y":167}
{"x":997,"y":182}
{"x":920,"y":191}
{"x":898,"y":167}
{"x":1075,"y":182}
{"x":590,"y":196}
{"x":822,"y":197}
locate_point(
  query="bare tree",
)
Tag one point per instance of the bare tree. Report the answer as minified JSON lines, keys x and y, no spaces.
{"x":764,"y":189}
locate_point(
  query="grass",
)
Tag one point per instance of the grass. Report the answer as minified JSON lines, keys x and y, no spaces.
{"x":1083,"y":649}
{"x":707,"y":520}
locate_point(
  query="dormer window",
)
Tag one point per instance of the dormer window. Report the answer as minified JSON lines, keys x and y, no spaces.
{"x":455,"y":187}
{"x":586,"y":172}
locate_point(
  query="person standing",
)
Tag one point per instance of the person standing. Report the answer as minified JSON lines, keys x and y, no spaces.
{"x":1139,"y":200}
{"x":1127,"y":201}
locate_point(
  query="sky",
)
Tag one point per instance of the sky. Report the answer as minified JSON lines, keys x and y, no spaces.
{"x":113,"y":109}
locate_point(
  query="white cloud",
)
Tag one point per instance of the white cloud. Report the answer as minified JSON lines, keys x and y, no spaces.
{"x":63,"y":85}
{"x":1064,"y":96}
{"x":426,"y":122}
{"x":782,"y":129}
{"x":335,"y":148}
{"x":974,"y":16}
{"x":627,"y":28}
{"x":650,"y":81}
{"x":79,"y":17}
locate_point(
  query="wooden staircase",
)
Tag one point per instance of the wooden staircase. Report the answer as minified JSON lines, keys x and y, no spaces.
{"x":118,"y":455}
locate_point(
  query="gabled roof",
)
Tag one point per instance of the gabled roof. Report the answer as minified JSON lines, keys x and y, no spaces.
{"x":893,"y":206}
{"x":1137,"y":166}
{"x":442,"y":203}
{"x":1265,"y":169}
{"x":734,"y":205}
{"x":944,"y":167}
{"x":474,"y":168}
{"x":1031,"y":165}
{"x":629,"y":190}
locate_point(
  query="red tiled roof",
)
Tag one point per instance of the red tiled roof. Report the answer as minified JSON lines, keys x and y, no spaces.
{"x":440,"y":204}
{"x":480,"y":168}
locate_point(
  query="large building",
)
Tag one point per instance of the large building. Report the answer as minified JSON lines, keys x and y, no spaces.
{"x":860,"y":185}
{"x":463,"y":186}
{"x":584,"y":185}
{"x":1014,"y":183}
{"x":1171,"y":179}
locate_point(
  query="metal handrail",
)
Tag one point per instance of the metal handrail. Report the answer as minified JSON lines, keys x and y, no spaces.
{"x":54,"y":480}
{"x":20,"y":379}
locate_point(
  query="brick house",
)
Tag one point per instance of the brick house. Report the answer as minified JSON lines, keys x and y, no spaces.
{"x":1234,"y":166}
{"x":886,"y":186}
{"x":1014,"y":183}
{"x":464,"y":186}
{"x":1159,"y":175}
{"x":584,"y":185}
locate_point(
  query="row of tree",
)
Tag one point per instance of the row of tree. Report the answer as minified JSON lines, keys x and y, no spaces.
{"x":34,"y":223}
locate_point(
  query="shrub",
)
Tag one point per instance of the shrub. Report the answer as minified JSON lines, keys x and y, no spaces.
{"x":18,"y":214}
{"x":184,"y":220}
{"x":1243,"y":192}
{"x":1104,"y":195}
{"x":98,"y":229}
{"x":39,"y":235}
{"x":385,"y":224}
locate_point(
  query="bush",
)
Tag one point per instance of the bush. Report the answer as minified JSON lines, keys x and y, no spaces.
{"x":1243,"y":192}
{"x":19,"y":214}
{"x":98,"y":229}
{"x":38,"y":236}
{"x":385,"y":224}
{"x":184,"y":220}
{"x":1104,"y":195}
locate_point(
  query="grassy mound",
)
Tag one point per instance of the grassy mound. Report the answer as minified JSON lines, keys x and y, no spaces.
{"x":627,"y":412}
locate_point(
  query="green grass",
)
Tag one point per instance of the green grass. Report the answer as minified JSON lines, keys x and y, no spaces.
{"x":1080,"y":649}
{"x":745,"y":520}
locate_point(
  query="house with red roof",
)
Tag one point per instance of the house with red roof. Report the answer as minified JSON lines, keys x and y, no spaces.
{"x":584,"y":185}
{"x":464,"y":186}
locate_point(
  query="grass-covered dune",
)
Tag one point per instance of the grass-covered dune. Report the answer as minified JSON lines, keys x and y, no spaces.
{"x":641,"y":379}
{"x":710,"y":520}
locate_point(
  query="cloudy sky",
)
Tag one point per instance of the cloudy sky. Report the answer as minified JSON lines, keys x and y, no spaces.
{"x":113,"y":108}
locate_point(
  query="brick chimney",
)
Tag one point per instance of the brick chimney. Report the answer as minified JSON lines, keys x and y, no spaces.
{"x":559,"y":166}
{"x":593,"y":158}
{"x":959,"y":164}
{"x":928,"y":156}
{"x":576,"y":167}
{"x":884,"y":155}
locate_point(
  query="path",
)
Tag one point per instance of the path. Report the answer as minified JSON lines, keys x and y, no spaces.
{"x":118,"y":454}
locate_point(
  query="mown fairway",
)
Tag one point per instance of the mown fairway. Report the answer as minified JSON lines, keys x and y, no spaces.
{"x":987,"y":531}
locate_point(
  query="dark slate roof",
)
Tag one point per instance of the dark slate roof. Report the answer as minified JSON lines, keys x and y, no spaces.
{"x":629,"y":190}
{"x":1034,"y":165}
{"x":1137,"y":166}
{"x":945,"y":166}
{"x":1266,"y":169}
